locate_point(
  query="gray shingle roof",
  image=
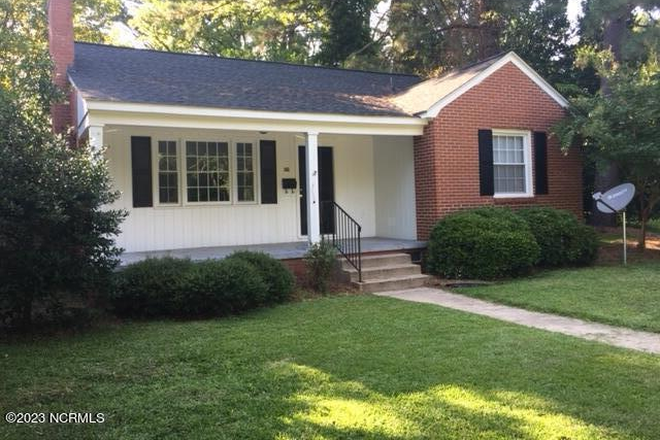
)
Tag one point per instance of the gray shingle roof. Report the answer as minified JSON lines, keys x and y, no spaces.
{"x":108,"y":73}
{"x":421,"y":96}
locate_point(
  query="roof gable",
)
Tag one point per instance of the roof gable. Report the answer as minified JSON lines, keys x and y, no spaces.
{"x":429,"y":97}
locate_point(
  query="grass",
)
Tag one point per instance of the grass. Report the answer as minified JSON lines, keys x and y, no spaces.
{"x":343,"y":367}
{"x":625,"y":296}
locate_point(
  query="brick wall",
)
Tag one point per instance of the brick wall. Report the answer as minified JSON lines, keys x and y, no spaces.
{"x":60,"y":42}
{"x":447,"y":155}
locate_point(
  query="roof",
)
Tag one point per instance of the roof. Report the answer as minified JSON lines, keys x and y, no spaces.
{"x":421,"y":96}
{"x":116,"y":74}
{"x":119,"y":74}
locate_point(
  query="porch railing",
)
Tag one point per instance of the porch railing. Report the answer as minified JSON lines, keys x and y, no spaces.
{"x":345,"y":233}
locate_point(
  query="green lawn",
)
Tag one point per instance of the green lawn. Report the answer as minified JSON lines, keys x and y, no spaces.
{"x":343,"y":367}
{"x":626,"y":296}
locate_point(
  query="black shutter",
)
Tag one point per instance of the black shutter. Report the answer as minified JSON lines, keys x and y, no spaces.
{"x":141,"y":168}
{"x":541,"y":162}
{"x":486,"y":175}
{"x":268,"y":172}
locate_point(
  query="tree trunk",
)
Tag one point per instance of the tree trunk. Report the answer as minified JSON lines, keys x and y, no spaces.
{"x":25,"y":318}
{"x":614,"y":31}
{"x":644,"y":218}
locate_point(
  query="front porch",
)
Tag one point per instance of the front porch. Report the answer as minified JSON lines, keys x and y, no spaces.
{"x":281,"y":251}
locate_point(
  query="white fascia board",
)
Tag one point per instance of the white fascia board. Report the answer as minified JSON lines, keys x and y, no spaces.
{"x":121,"y":113}
{"x":511,"y":57}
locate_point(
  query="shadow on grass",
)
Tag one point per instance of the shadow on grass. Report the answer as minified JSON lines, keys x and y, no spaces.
{"x":352,"y":367}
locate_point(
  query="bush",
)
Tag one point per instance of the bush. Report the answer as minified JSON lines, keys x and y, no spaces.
{"x":321,"y":261}
{"x":150,"y":287}
{"x":563,"y":239}
{"x":279,"y":280}
{"x":57,"y":233}
{"x":181,"y":288}
{"x":221,"y":287}
{"x":483,"y":243}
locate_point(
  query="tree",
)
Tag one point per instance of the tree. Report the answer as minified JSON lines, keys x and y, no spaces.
{"x":628,"y":30}
{"x":348,"y":32}
{"x":278,"y":30}
{"x":433,"y":35}
{"x":621,"y":127}
{"x":56,"y":230}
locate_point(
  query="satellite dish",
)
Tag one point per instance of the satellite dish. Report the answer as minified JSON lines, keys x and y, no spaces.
{"x":616,"y":199}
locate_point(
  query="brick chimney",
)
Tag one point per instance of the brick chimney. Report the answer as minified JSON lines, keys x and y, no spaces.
{"x":60,"y":42}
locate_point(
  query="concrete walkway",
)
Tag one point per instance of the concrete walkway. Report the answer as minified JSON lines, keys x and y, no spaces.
{"x":617,"y":336}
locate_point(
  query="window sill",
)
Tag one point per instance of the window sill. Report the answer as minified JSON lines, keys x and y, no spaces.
{"x":513,"y":196}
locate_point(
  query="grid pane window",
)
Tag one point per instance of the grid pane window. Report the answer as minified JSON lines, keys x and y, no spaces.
{"x":509,"y":164}
{"x":168,"y":173}
{"x":245,"y":171}
{"x":207,"y":171}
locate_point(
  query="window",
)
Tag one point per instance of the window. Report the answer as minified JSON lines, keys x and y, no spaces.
{"x":245,"y":172}
{"x":168,"y":174}
{"x":207,"y":171}
{"x":511,"y":167}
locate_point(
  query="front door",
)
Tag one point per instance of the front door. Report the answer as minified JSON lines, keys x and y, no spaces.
{"x":326,"y":188}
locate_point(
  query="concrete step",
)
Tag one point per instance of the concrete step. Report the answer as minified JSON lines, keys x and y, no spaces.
{"x":370,"y":261}
{"x":397,"y":283}
{"x":384,"y":272}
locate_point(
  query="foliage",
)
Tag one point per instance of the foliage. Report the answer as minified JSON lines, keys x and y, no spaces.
{"x":150,"y":287}
{"x":25,"y":68}
{"x":483,"y":243}
{"x":279,"y":280}
{"x":321,"y":261}
{"x":562,"y":238}
{"x":94,"y":19}
{"x":348,"y":31}
{"x":261,"y":29}
{"x":180,"y":288}
{"x":56,"y":230}
{"x":221,"y":287}
{"x":431,"y":36}
{"x":621,"y":127}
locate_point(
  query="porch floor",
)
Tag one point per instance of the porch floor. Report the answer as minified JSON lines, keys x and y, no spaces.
{"x":281,"y":251}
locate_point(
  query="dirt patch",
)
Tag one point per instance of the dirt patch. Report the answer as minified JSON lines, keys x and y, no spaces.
{"x":611,"y":250}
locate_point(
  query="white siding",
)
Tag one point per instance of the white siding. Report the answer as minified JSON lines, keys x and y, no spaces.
{"x":177,"y":227}
{"x":395,"y":187}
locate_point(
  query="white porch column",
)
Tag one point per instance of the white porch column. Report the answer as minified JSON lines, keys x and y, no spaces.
{"x":313,"y":210}
{"x":95,"y":134}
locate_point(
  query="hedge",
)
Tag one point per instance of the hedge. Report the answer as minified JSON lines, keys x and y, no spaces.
{"x":483,"y":243}
{"x":563,"y":239}
{"x":170,"y":287}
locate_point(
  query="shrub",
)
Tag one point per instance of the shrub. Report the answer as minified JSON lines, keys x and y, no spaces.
{"x":221,"y":287}
{"x":563,"y":239}
{"x":321,"y":261}
{"x":182,"y":288}
{"x":150,"y":287}
{"x":56,"y":229}
{"x":279,"y":280}
{"x":483,"y":243}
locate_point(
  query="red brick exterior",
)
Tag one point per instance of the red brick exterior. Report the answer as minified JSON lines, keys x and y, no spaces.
{"x":60,"y":39}
{"x":447,"y":154}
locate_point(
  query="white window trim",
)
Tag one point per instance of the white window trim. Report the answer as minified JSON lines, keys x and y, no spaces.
{"x":184,"y":171}
{"x":155,"y":189}
{"x":527,"y":157}
{"x":256,"y":166}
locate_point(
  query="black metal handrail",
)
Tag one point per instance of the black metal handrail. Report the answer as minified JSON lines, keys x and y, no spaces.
{"x":345,"y":232}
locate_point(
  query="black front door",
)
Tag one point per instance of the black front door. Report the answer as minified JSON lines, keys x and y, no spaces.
{"x":326,"y":188}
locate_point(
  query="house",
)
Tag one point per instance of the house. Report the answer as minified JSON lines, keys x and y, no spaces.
{"x":212,"y":152}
